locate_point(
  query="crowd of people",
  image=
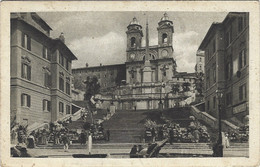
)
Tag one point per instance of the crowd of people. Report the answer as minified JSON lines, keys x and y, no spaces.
{"x":194,"y":133}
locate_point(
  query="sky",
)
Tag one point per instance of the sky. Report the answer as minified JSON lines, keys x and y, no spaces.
{"x":100,"y":37}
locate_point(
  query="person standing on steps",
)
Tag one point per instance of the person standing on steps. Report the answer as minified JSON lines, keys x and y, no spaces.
{"x":65,"y":140}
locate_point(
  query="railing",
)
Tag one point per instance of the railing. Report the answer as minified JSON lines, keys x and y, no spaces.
{"x":210,"y":120}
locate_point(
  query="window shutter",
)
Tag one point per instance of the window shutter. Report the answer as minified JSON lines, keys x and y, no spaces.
{"x":49,"y":80}
{"x":22,"y":100}
{"x":48,"y":55}
{"x":29,"y":72}
{"x":28,"y":43}
{"x":47,"y":105}
{"x":46,"y":79}
{"x":28,"y":101}
{"x":22,"y":70}
{"x":23,"y":40}
{"x":43,"y":105}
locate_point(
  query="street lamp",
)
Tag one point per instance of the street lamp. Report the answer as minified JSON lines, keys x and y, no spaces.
{"x":219,"y":146}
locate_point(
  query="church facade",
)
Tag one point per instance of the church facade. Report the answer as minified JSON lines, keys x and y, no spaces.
{"x":160,"y":56}
{"x":149,"y":70}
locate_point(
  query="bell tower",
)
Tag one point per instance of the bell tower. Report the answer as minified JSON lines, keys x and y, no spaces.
{"x":165,"y":31}
{"x":134,"y":35}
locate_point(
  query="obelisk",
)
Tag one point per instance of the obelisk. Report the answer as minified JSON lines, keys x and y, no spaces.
{"x":147,"y":71}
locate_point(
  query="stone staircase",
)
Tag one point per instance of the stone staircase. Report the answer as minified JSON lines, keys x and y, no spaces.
{"x":126,"y":126}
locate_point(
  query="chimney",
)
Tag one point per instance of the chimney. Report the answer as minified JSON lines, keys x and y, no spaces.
{"x":62,"y":38}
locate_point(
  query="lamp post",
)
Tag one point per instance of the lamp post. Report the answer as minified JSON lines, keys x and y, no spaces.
{"x":219,"y":149}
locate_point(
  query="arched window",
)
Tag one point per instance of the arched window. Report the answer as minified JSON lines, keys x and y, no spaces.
{"x":133,"y":44}
{"x":164,"y":38}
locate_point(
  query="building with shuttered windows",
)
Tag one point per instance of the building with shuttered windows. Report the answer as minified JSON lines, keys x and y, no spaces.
{"x":40,"y":72}
{"x":226,"y":47}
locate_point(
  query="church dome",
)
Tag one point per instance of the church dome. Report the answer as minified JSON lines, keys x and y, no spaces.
{"x":134,"y":22}
{"x":165,"y":17}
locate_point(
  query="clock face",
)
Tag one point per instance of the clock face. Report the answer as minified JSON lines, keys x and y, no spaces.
{"x":164,"y":53}
{"x":132,"y":56}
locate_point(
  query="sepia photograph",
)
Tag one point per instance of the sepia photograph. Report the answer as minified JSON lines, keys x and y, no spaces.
{"x":130,"y":84}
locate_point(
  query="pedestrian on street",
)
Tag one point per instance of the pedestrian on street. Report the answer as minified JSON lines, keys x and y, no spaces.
{"x":227,"y":141}
{"x":153,"y":135}
{"x":66,"y":142}
{"x":108,"y":135}
{"x":89,"y":143}
{"x":83,"y":137}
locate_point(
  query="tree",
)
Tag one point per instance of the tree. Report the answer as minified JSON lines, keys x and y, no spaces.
{"x":78,"y":84}
{"x":186,"y":86}
{"x":92,"y":87}
{"x":175,"y":88}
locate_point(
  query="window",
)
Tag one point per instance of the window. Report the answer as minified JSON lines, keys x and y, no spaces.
{"x":133,"y":44}
{"x":61,"y":107}
{"x":164,"y":38}
{"x":26,"y":41}
{"x":67,"y":64}
{"x":240,"y":23}
{"x":68,"y":88}
{"x":214,"y":46}
{"x":214,"y":72}
{"x":229,"y":37}
{"x":242,"y":59}
{"x":177,"y":79}
{"x":208,"y":78}
{"x":208,"y":104}
{"x":61,"y":60}
{"x":46,"y":105}
{"x":67,"y":109}
{"x":229,"y":70}
{"x":200,"y":59}
{"x":214,"y":102}
{"x":47,"y":79}
{"x":61,"y":84}
{"x":26,"y":71}
{"x":25,"y":100}
{"x":242,"y":92}
{"x":46,"y":53}
{"x":228,"y":99}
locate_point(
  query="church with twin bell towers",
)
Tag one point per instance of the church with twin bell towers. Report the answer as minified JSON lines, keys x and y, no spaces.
{"x":159,"y":58}
{"x":149,"y":69}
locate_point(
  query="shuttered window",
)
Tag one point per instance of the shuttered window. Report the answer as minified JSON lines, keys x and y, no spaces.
{"x":46,"y":105}
{"x":25,"y":100}
{"x":26,"y":71}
